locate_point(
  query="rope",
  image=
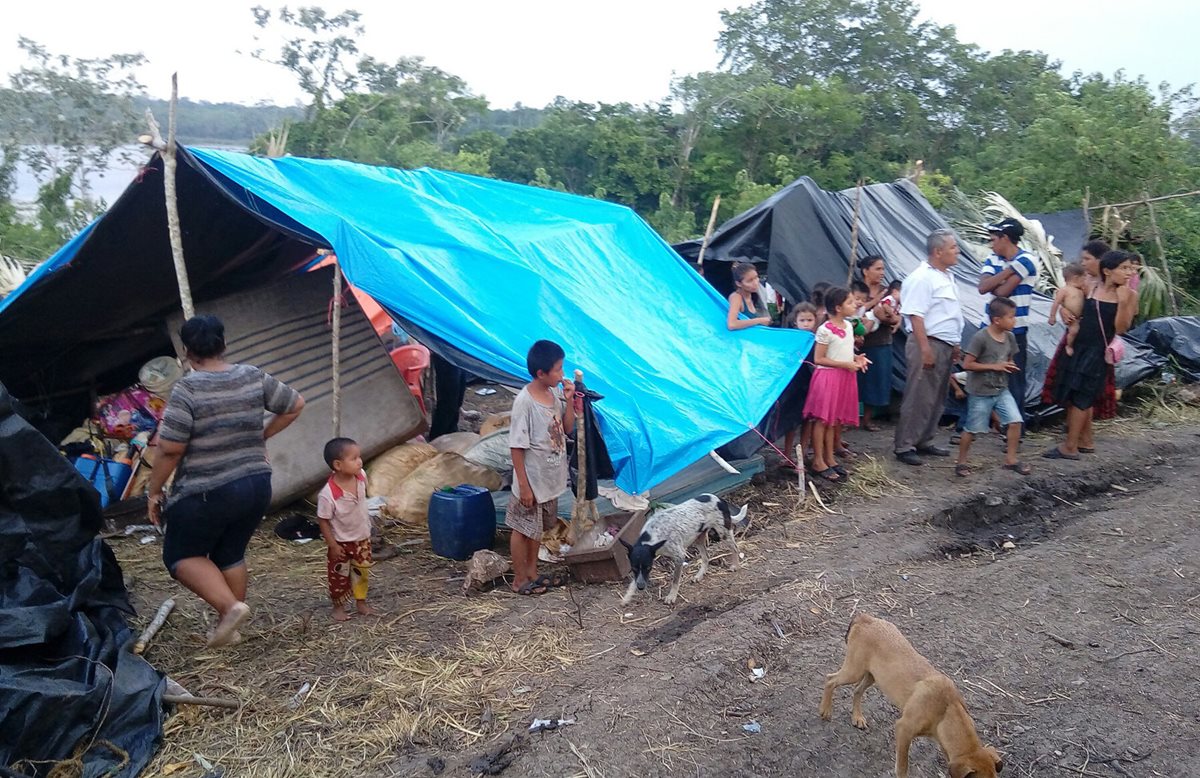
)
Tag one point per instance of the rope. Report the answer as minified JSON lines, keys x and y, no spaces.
{"x":786,"y":458}
{"x":767,"y":440}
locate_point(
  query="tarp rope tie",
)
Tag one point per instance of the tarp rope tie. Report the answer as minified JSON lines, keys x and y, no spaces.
{"x":786,"y":458}
{"x":766,"y":440}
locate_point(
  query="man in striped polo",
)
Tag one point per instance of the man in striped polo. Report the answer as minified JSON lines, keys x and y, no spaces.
{"x":1010,"y":272}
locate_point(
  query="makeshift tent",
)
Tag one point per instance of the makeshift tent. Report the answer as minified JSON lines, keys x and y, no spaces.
{"x":70,"y":688}
{"x":477,"y":269}
{"x":803,"y":234}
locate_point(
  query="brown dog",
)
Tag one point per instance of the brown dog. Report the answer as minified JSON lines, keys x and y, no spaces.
{"x":929,"y":703}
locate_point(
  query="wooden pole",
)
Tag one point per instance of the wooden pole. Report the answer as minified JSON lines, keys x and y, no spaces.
{"x":212,"y":702}
{"x":1163,"y":255}
{"x":154,"y":626}
{"x":337,"y":350}
{"x":712,"y":222}
{"x":173,"y":229}
{"x":1109,"y":226}
{"x":854,"y":233}
{"x":1151,"y":199}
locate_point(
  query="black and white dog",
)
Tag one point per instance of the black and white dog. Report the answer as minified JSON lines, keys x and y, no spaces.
{"x":672,"y":530}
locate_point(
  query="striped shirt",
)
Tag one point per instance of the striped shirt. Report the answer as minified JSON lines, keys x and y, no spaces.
{"x":1022,"y":264}
{"x":219,"y":416}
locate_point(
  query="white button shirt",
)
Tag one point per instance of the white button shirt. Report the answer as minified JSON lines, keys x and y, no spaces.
{"x":932,"y":294}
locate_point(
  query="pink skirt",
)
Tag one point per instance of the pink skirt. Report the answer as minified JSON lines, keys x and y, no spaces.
{"x":833,"y":397}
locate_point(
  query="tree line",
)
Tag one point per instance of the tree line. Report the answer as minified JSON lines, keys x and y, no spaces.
{"x":840,"y":90}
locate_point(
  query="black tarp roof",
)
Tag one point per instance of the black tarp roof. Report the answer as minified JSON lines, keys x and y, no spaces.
{"x":1068,"y":229}
{"x":803,"y":234}
{"x":100,"y":316}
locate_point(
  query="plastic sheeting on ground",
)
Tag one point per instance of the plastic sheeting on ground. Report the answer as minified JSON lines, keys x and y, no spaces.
{"x":1172,"y":341}
{"x":803,"y":233}
{"x":69,"y":685}
{"x":475,"y":268}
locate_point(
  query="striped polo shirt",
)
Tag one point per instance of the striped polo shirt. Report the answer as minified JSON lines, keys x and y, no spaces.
{"x":1022,"y":296}
{"x":219,"y":415}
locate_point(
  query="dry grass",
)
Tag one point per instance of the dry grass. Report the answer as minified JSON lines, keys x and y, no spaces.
{"x":1167,"y":405}
{"x":438,"y":672}
{"x":873,"y":480}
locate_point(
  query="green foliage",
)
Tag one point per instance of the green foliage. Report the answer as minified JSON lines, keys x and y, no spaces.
{"x":315,"y":46}
{"x":936,"y":187}
{"x":839,"y":90}
{"x":65,"y":119}
{"x":672,"y":222}
{"x":1111,"y":137}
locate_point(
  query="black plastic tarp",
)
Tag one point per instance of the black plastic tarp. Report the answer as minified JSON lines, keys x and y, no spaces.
{"x":803,"y":235}
{"x":69,"y":684}
{"x":1068,"y":229}
{"x":1153,"y":345}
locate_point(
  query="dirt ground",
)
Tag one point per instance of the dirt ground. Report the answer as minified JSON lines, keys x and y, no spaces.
{"x":1075,"y":649}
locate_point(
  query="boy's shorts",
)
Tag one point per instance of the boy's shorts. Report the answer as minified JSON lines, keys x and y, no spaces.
{"x":531,"y":522}
{"x":979,"y":411}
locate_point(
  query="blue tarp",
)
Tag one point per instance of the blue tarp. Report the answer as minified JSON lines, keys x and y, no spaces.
{"x":489,"y":267}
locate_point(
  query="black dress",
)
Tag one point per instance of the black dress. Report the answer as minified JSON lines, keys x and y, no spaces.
{"x":1080,"y":380}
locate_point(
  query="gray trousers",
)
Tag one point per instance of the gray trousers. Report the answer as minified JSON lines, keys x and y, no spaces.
{"x":924,"y":395}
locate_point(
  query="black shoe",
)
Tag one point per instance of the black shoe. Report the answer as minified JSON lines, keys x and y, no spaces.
{"x":910,"y":458}
{"x":933,"y":451}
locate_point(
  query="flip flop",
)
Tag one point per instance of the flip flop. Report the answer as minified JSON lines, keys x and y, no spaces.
{"x":872,"y":427}
{"x":1056,"y":453}
{"x":841,"y":471}
{"x":962,"y":470}
{"x":1083,"y":450}
{"x":831,"y":475}
{"x":1019,"y":468}
{"x":531,"y":588}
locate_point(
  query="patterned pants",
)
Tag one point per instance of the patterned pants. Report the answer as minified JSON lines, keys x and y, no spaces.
{"x":349,"y":577}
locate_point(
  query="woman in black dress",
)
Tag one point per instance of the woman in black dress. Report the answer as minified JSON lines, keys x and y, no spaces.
{"x":1107,"y":313}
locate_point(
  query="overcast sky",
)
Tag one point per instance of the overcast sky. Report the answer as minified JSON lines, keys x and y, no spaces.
{"x":531,"y":51}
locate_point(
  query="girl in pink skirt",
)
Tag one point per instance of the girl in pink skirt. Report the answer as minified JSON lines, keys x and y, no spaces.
{"x":833,"y":393}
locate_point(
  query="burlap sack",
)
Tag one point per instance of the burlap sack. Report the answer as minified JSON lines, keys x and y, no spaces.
{"x":456,"y":442}
{"x":409,"y":501}
{"x":388,"y":469}
{"x":497,"y":421}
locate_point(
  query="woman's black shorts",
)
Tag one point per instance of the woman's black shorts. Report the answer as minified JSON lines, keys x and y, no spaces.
{"x":216,"y":524}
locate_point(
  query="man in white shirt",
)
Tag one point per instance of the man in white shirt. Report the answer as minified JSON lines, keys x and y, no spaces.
{"x":933,"y":320}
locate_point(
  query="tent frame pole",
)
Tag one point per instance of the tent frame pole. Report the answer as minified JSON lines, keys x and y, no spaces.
{"x":167,"y":149}
{"x":1162,"y":254}
{"x":854,"y":233}
{"x":712,"y":222}
{"x":336,"y":317}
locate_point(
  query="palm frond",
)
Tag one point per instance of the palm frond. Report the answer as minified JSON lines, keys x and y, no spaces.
{"x":1153,"y":296}
{"x":972,"y":214}
{"x":12,"y":275}
{"x":1035,"y":240}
